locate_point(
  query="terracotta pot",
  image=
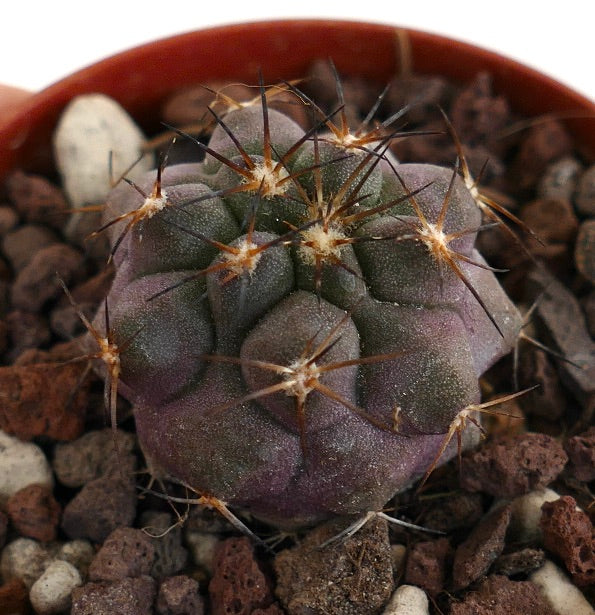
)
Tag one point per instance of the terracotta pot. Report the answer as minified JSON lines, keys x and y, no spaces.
{"x":143,"y":77}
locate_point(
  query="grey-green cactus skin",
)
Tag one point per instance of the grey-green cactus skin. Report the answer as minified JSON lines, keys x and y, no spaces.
{"x":209,"y":368}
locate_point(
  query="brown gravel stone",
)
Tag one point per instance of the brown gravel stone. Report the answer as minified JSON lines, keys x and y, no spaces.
{"x":560,"y":316}
{"x":94,"y":455}
{"x":568,"y":533}
{"x":477,"y":114}
{"x":514,"y":465}
{"x":37,"y":282}
{"x":8,"y":219}
{"x":498,"y":595}
{"x":238,"y":584}
{"x":34,"y":512}
{"x":585,"y":192}
{"x":426,"y":565}
{"x":581,"y":454}
{"x":27,"y":330}
{"x":36,"y":199}
{"x":584,"y":253}
{"x":544,"y":143}
{"x":43,"y":400}
{"x":126,"y":552}
{"x":179,"y":596}
{"x":99,"y":508}
{"x":21,"y":245}
{"x":547,"y":400}
{"x":126,"y":597}
{"x":552,"y":220}
{"x":348,"y":577}
{"x":478,"y":552}
{"x":166,"y":538}
{"x":519,"y":562}
{"x":14,"y":598}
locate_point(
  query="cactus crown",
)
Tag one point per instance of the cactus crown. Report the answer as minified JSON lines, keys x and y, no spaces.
{"x":304,"y":318}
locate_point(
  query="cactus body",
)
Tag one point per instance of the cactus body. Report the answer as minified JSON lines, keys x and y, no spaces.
{"x":313,"y":365}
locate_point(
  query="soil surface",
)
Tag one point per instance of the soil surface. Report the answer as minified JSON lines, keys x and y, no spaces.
{"x":136,"y":553}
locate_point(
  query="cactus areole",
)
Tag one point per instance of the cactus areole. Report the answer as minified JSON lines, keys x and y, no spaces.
{"x":300,"y":318}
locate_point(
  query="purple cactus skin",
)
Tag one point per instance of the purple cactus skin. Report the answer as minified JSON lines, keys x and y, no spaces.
{"x":304,"y":332}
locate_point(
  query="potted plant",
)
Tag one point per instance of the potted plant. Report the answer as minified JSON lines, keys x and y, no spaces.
{"x":402,"y":218}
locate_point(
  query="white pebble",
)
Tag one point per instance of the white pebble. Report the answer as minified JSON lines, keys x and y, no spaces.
{"x":526,"y":513}
{"x":202,"y":548}
{"x":21,"y":464}
{"x":408,"y":600}
{"x":25,"y":559}
{"x":564,"y":597}
{"x":77,"y":552}
{"x":92,"y":126}
{"x":51,"y":592}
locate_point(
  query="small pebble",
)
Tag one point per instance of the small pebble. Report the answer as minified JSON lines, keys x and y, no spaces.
{"x":203,"y":547}
{"x":126,"y":552}
{"x":26,"y":330}
{"x":584,"y":251}
{"x":581,"y":454}
{"x":34,"y":512}
{"x":179,"y":595}
{"x":8,"y":219}
{"x":25,"y":559}
{"x":21,"y":464}
{"x":564,"y":597}
{"x":129,"y":596}
{"x":166,"y":538}
{"x":51,"y":593}
{"x":398,"y":555}
{"x":519,"y":562}
{"x":21,"y":245}
{"x":14,"y":598}
{"x":568,"y":532}
{"x":79,"y":553}
{"x":92,"y":126}
{"x":408,"y":600}
{"x":560,"y":179}
{"x":526,"y":514}
{"x":426,"y":565}
{"x":92,"y":456}
{"x":100,"y":507}
{"x":585,"y":192}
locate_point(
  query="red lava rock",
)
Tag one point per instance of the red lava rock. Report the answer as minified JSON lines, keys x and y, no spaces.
{"x":353,"y":576}
{"x":478,"y":552}
{"x":34,"y":512}
{"x":130,"y":596}
{"x":568,"y":533}
{"x":43,"y":400}
{"x":37,"y":282}
{"x":19,"y":246}
{"x":519,"y":562}
{"x":36,"y":199}
{"x":14,"y":598}
{"x":426,"y":565}
{"x":238,"y":584}
{"x":498,"y":595}
{"x":99,"y":508}
{"x":513,"y":465}
{"x":126,"y":552}
{"x":581,"y":453}
{"x":545,"y":143}
{"x":477,"y":114}
{"x":584,"y":253}
{"x":179,"y":596}
{"x":26,"y":330}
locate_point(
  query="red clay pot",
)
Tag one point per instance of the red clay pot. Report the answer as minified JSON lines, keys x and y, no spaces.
{"x":140,"y":79}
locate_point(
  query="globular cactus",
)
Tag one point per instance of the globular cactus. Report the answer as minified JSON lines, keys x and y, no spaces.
{"x":298,"y":319}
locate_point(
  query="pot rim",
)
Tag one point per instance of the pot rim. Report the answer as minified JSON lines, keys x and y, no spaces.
{"x":270,"y":45}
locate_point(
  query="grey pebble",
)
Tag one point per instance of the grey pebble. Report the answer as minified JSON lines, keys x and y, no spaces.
{"x":560,"y":178}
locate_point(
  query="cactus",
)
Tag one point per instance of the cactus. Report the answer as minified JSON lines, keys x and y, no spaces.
{"x":298,"y":319}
